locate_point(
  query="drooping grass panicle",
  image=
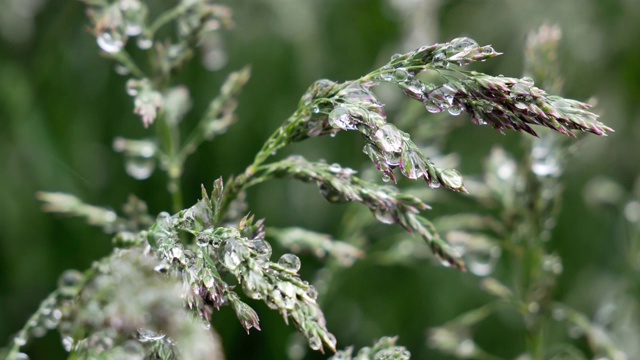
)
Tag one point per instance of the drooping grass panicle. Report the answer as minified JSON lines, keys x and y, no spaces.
{"x":389,"y":206}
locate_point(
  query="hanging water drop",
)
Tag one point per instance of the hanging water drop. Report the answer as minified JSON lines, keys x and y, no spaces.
{"x":110,"y":42}
{"x":389,"y":139}
{"x":384,"y":216}
{"x":139,"y":167}
{"x":431,"y":107}
{"x":483,"y":262}
{"x":412,"y":165}
{"x":455,"y":110}
{"x":21,"y":356}
{"x":340,"y":118}
{"x":290,"y":262}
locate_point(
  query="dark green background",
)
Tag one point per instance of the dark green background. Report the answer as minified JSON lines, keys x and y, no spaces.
{"x":61,"y":105}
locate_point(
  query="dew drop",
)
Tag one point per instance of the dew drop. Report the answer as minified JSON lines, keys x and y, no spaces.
{"x":482,"y":263}
{"x":312,"y":293}
{"x":434,"y":183}
{"x":455,"y":110}
{"x":232,"y":254}
{"x":400,"y":75}
{"x":386,"y":178}
{"x":389,"y":139}
{"x":451,"y":178}
{"x":109,"y":42}
{"x":559,"y":314}
{"x":463,"y":44}
{"x":335,"y":168}
{"x":315,"y":343}
{"x":144,"y":43}
{"x":384,"y":216}
{"x":431,"y":107}
{"x":412,"y":165}
{"x":146,"y":335}
{"x":68,"y":343}
{"x":139,"y":167}
{"x":133,"y":29}
{"x":69,"y":282}
{"x":20,"y":341}
{"x":21,"y":356}
{"x":203,"y":239}
{"x":290,"y":262}
{"x":340,"y":118}
{"x":386,"y":73}
{"x":262,"y":248}
{"x":439,"y":60}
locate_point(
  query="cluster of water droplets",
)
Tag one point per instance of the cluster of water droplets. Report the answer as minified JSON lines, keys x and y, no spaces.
{"x":140,"y":156}
{"x":120,"y":21}
{"x":443,"y":98}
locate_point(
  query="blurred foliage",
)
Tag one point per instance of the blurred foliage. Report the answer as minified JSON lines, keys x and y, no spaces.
{"x":61,"y":106}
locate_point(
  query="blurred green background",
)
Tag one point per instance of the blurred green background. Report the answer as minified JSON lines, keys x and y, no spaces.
{"x":61,"y":105}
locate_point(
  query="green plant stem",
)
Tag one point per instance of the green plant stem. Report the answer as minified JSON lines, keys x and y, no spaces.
{"x":167,"y":17}
{"x":169,"y":139}
{"x":123,"y":58}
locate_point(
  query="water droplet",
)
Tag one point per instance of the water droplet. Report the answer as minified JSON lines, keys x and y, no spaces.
{"x":110,"y":42}
{"x":332,"y":194}
{"x":20,"y":340}
{"x":400,"y":75}
{"x":433,"y":183}
{"x":203,"y":239}
{"x":139,"y":167}
{"x":451,"y":178}
{"x":389,"y":139}
{"x":233,"y":254}
{"x":412,"y":165}
{"x":335,"y":168}
{"x":68,"y":343}
{"x":146,"y":335}
{"x":506,"y":170}
{"x":315,"y":343}
{"x":262,"y":248}
{"x":386,"y":73}
{"x":384,"y":216}
{"x":559,"y":314}
{"x":482,"y":263}
{"x":133,"y":29}
{"x":21,"y":356}
{"x":341,"y":118}
{"x":312,"y":293}
{"x":121,"y":70}
{"x":463,"y":44}
{"x":144,"y":43}
{"x":290,"y":262}
{"x":396,"y":56}
{"x":439,"y":60}
{"x":527,"y":81}
{"x":69,"y":282}
{"x":552,"y":264}
{"x":431,"y":107}
{"x":455,"y":110}
{"x":545,"y":167}
{"x":386,"y":178}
